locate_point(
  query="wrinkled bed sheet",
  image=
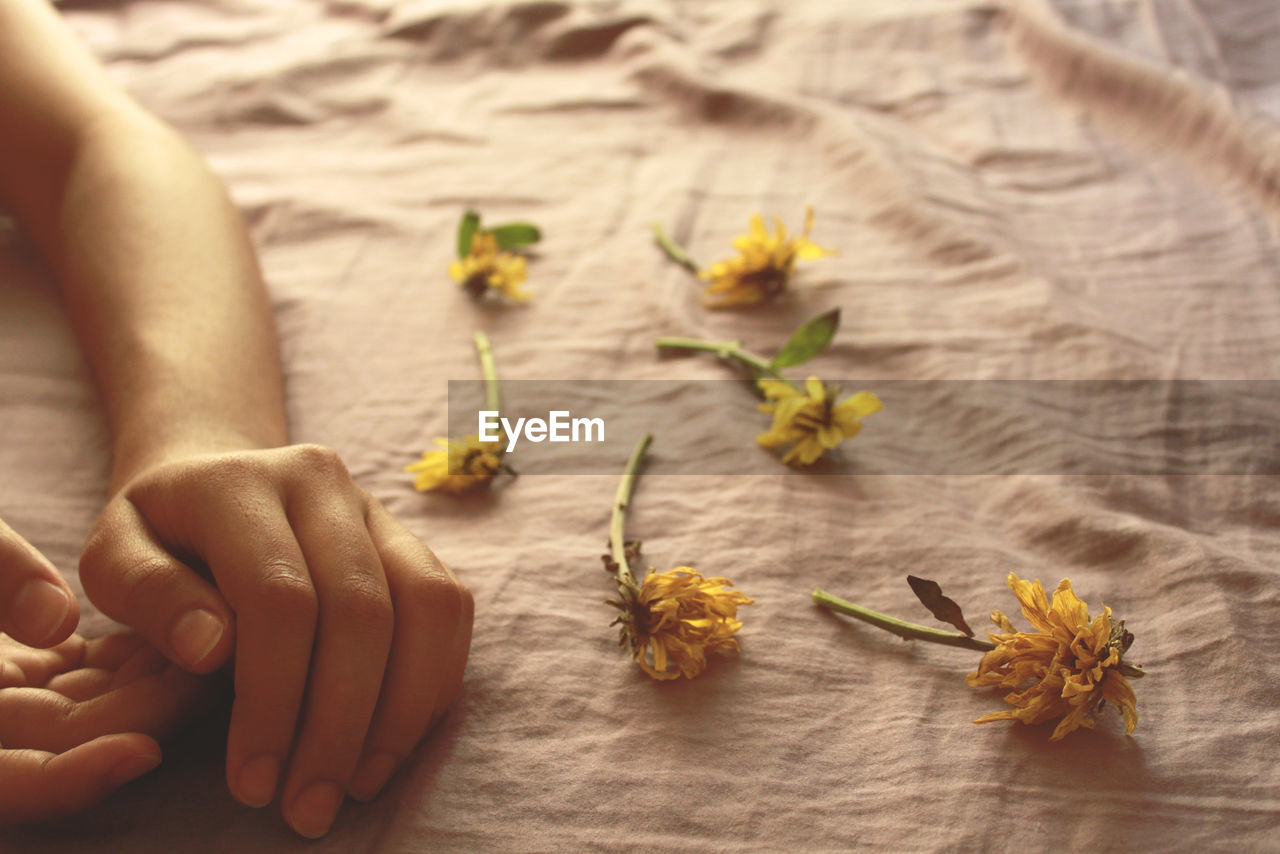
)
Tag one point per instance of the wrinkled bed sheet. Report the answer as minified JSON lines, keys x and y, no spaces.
{"x":1076,"y":190}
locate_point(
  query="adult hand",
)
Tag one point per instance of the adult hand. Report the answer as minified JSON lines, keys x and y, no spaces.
{"x":350,"y":637}
{"x":81,"y":719}
{"x":36,"y":605}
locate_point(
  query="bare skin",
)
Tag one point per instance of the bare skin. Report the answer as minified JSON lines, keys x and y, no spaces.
{"x":220,"y":542}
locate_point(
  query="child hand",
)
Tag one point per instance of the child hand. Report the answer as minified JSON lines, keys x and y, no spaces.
{"x":81,"y":719}
{"x":350,"y":637}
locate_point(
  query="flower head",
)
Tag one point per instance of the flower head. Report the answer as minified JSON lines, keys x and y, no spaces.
{"x":458,"y":466}
{"x":484,"y":267}
{"x":678,"y":617}
{"x":811,"y":418}
{"x":763,"y":267}
{"x":1068,"y":668}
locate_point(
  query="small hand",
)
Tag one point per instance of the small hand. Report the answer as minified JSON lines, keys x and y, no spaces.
{"x":350,"y":637}
{"x":81,"y":719}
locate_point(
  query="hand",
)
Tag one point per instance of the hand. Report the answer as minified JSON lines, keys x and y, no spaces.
{"x":36,"y":605}
{"x":350,"y":638}
{"x":81,"y":719}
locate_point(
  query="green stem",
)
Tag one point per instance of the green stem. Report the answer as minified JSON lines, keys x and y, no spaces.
{"x":674,"y":250}
{"x":899,"y":627}
{"x":725,"y":350}
{"x":618,"y":521}
{"x":489,"y":370}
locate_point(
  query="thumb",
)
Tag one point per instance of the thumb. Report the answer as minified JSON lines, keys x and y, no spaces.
{"x":35,"y":785}
{"x":134,"y":580}
{"x":36,"y":605}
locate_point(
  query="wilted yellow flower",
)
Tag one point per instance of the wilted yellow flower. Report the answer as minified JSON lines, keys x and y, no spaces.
{"x":485,"y":267}
{"x":1069,"y":668}
{"x":458,"y":466}
{"x":763,"y":267}
{"x":811,"y":418}
{"x":678,"y":617}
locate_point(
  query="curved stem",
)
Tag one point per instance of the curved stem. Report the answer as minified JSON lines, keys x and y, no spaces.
{"x":674,"y":250}
{"x":902,"y":628}
{"x":489,"y":370}
{"x":618,"y":521}
{"x":725,"y":350}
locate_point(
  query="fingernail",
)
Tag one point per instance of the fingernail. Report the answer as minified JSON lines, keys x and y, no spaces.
{"x":39,"y":609}
{"x":195,"y":636}
{"x":257,"y":782}
{"x":372,"y":774}
{"x":314,"y":809}
{"x":133,"y":768}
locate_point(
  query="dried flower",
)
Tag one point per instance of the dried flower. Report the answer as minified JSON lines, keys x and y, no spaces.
{"x":672,"y":620}
{"x":764,"y":264}
{"x":485,"y":267}
{"x":485,"y":262}
{"x":458,"y":467}
{"x":1069,"y":668}
{"x":811,"y":419}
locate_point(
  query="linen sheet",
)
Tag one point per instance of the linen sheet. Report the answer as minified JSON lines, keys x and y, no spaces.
{"x":1067,"y":190}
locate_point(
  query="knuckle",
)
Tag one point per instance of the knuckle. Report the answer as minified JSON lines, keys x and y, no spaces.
{"x":287,"y":592}
{"x":131,"y":585}
{"x":428,"y":589}
{"x":365,"y":605}
{"x":318,"y":460}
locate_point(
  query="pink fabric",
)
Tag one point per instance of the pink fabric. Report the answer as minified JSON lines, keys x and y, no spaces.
{"x":1082,"y":190}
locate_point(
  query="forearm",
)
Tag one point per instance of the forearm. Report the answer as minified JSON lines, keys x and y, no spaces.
{"x":159,"y":274}
{"x":166,"y":298}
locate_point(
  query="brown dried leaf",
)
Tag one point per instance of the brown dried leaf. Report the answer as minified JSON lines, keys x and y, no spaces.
{"x":946,"y":610}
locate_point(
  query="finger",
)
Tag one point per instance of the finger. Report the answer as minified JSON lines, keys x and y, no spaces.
{"x":113,"y":650}
{"x":24,"y":666}
{"x":132,"y":578}
{"x":424,"y":653}
{"x":36,"y":785}
{"x":462,"y":647}
{"x":36,"y":605}
{"x":267,"y":582}
{"x":155,"y":705}
{"x":147,"y":661}
{"x":82,"y":684}
{"x":85,"y":683}
{"x":353,"y":642}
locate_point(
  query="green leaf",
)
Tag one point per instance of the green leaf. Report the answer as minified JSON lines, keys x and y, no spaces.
{"x":515,"y":234}
{"x":467,"y":228}
{"x":946,"y":610}
{"x":808,"y":341}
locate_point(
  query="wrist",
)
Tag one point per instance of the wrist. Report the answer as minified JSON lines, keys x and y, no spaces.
{"x":134,"y":452}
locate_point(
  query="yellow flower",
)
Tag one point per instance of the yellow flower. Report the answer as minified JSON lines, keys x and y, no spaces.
{"x":811,"y":418}
{"x":1069,"y":668}
{"x":763,"y":267}
{"x":678,"y":617}
{"x":458,"y":467}
{"x":484,"y":267}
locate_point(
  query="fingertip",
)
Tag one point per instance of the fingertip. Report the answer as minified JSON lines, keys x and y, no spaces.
{"x":199,"y":640}
{"x":132,"y":767}
{"x":372,"y":775}
{"x":43,"y":613}
{"x":256,"y":783}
